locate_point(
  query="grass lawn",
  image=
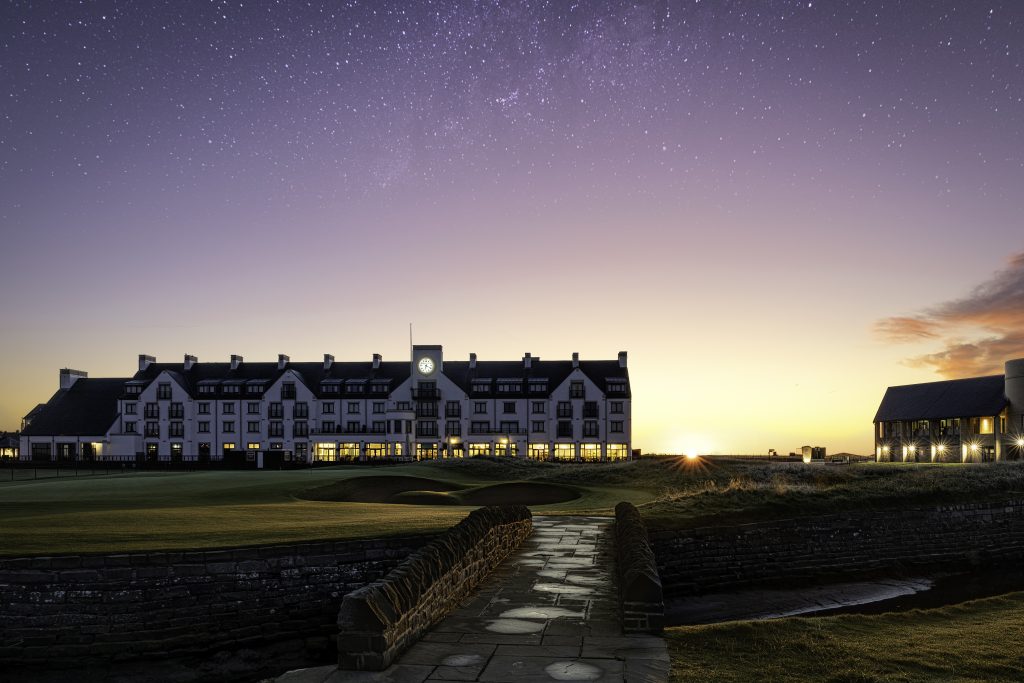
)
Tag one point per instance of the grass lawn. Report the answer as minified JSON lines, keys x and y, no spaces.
{"x":973,"y":641}
{"x":115,"y":513}
{"x":210,"y":509}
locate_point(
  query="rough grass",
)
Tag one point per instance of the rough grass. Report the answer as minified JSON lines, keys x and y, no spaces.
{"x":973,"y":641}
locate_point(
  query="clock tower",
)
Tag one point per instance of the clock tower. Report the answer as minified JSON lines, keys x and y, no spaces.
{"x":427,"y":363}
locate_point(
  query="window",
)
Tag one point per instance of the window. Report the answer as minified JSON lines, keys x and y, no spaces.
{"x":453,"y":409}
{"x":379,"y":388}
{"x":330,"y":388}
{"x":590,"y":409}
{"x":288,"y":390}
{"x":152,"y":411}
{"x":590,"y":452}
{"x":231,"y":389}
{"x":252,"y":427}
{"x":228,"y":408}
{"x":482,"y":386}
{"x":327,"y":407}
{"x":276,"y":429}
{"x":426,"y":409}
{"x":616,"y":451}
{"x":564,"y":410}
{"x":163,"y":391}
{"x":403,"y":405}
{"x":986,"y":426}
{"x":301,"y":450}
{"x":453,"y":428}
{"x":396,"y":426}
{"x":378,"y":407}
{"x":300,"y":429}
{"x":153,"y":429}
{"x":41,"y":451}
{"x":480,"y":407}
{"x":352,"y":408}
{"x":252,"y":408}
{"x":276,"y":411}
{"x":207,"y":388}
{"x":537,"y":426}
{"x":152,"y":450}
{"x":177,"y":429}
{"x":616,"y":387}
{"x":133,"y":389}
{"x":510,"y":387}
{"x":353,"y":426}
{"x":479,"y":450}
{"x":565,"y":430}
{"x":327,"y":426}
{"x":204,"y":408}
{"x":509,"y":428}
{"x":576,"y":390}
{"x":479,"y":427}
{"x":537,"y":451}
{"x":565,"y":451}
{"x":176,"y":451}
{"x":177,"y":411}
{"x":300,"y":411}
{"x":129,"y":427}
{"x":590,"y":428}
{"x":129,"y":408}
{"x":324,"y":452}
{"x":204,"y":428}
{"x":426,"y":428}
{"x":379,"y":426}
{"x":538,"y":387}
{"x":615,"y":407}
{"x":509,"y":407}
{"x":252,"y":446}
{"x":255,"y":389}
{"x":228,"y":427}
{"x":355,"y":387}
{"x":615,"y":427}
{"x":538,"y":407}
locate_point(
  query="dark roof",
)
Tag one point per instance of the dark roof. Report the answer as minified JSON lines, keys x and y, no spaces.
{"x":88,"y":408}
{"x":555,"y":371}
{"x":973,"y":397}
{"x":312,"y":374}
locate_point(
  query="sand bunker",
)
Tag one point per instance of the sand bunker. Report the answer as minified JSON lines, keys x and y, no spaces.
{"x":420,"y":491}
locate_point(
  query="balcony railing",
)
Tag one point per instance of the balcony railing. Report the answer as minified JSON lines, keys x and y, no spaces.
{"x":421,"y":394}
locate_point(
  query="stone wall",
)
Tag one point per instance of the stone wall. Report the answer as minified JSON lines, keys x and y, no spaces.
{"x":840,"y":546}
{"x":380,"y":621}
{"x":640,"y":594}
{"x":85,"y":610}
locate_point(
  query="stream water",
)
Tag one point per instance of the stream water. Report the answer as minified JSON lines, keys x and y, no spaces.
{"x":855,"y":597}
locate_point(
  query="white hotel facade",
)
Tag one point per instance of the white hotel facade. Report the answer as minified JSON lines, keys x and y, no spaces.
{"x":265,"y":414}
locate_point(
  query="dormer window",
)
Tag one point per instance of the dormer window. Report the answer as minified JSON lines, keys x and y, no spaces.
{"x":507,"y":387}
{"x":538,"y":386}
{"x":616,"y":386}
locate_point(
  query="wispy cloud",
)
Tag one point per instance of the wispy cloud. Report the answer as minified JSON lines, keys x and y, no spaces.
{"x":978,"y":332}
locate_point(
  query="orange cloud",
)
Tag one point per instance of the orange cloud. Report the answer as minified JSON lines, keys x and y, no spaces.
{"x":994,"y":311}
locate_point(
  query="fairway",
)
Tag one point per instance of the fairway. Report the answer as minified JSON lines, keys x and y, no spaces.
{"x":151,"y":511}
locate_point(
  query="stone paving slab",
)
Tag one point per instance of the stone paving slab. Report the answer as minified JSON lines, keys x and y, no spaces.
{"x":548,"y":613}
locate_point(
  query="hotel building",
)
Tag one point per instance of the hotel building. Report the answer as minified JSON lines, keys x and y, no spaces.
{"x":979,"y":419}
{"x":264,"y":414}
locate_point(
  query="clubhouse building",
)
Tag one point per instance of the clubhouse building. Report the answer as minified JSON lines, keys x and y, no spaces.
{"x":979,"y":419}
{"x":265,"y":414}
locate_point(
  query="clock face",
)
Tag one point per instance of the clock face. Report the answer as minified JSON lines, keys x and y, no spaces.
{"x":426,"y":366}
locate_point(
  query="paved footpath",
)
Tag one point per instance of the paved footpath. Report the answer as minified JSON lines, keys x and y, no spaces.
{"x":548,"y":613}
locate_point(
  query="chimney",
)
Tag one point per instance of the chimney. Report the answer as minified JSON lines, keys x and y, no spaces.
{"x":328,"y":361}
{"x":190,"y":361}
{"x":575,"y":359}
{"x":145,"y":361}
{"x":69,"y":377}
{"x":235,"y":361}
{"x":527,"y":361}
{"x":376,"y":361}
{"x":472,"y":361}
{"x":282,"y":361}
{"x":622,"y":359}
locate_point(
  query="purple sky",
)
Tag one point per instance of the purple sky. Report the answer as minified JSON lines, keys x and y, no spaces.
{"x":741,"y":194}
